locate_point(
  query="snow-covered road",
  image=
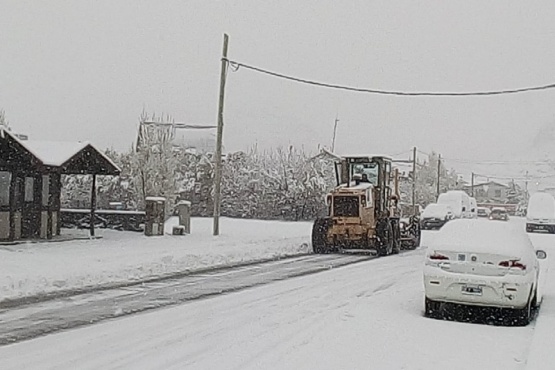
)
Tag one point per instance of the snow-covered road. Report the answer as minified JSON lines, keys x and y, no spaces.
{"x":363,"y":316}
{"x":46,"y":317}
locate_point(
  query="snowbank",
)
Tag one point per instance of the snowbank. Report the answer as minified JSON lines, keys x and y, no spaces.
{"x":42,"y":268}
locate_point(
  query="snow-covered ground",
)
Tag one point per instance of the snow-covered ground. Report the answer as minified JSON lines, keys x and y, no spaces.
{"x":39,"y":268}
{"x":364,"y":316}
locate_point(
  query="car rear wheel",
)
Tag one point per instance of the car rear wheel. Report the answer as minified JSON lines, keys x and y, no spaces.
{"x":524,"y":315}
{"x":431,"y":308}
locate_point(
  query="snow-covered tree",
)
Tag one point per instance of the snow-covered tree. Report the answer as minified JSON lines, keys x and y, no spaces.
{"x":427,"y":179}
{"x":154,"y":163}
{"x":4,"y":121}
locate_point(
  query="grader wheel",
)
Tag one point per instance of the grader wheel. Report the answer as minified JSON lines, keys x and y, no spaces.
{"x":320,"y":243}
{"x":385,"y":243}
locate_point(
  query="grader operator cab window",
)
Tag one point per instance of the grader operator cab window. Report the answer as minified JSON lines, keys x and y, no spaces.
{"x":367,"y":171}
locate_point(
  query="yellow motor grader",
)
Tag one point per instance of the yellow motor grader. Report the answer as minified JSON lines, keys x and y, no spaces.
{"x":363,"y":210}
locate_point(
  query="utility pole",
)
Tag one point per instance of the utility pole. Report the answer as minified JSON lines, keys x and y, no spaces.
{"x":334,"y":132}
{"x":438,"y":173}
{"x":526,"y":185}
{"x":414,"y":180}
{"x":472,"y":185}
{"x":218,"y":162}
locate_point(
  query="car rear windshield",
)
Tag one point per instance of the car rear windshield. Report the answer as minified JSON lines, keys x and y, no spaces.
{"x":345,"y":206}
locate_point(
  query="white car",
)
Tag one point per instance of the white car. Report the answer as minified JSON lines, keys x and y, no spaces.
{"x":480,"y":263}
{"x":541,"y":213}
{"x":435,"y":216}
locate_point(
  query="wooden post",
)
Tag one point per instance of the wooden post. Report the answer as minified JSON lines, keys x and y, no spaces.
{"x":334,"y":134}
{"x":472,"y":185}
{"x":438,"y":173}
{"x":13,"y":205}
{"x":218,"y":159}
{"x":93,"y":204}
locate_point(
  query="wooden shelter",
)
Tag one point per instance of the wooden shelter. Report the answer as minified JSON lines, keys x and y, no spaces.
{"x":30,"y":183}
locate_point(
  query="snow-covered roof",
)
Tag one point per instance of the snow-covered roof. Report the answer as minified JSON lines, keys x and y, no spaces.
{"x":360,"y":186}
{"x":365,"y":156}
{"x":489,"y":183}
{"x":53,"y":153}
{"x":56,"y":153}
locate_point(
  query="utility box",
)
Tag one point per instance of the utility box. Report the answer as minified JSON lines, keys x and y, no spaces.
{"x":155,"y":213}
{"x":183,"y":210}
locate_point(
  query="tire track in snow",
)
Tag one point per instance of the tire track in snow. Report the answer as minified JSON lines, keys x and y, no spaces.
{"x":53,"y":315}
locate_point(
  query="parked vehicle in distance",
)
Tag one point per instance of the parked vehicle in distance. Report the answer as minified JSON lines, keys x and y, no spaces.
{"x":483,"y":212}
{"x":540,"y":213}
{"x":499,"y":214}
{"x":477,"y":263}
{"x":435,"y":216}
{"x":459,"y":202}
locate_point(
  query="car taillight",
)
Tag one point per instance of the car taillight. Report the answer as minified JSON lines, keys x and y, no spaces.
{"x":437,"y":256}
{"x":512,"y":264}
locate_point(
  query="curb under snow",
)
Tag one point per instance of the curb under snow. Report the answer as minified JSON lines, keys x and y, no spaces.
{"x":64,"y":293}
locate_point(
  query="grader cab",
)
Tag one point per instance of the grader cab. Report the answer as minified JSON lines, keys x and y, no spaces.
{"x":363,"y":210}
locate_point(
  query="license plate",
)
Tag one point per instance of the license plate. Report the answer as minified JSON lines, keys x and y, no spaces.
{"x":471,"y":290}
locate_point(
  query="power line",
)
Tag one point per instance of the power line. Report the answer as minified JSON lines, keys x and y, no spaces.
{"x":236,"y":65}
{"x":468,"y":161}
{"x":180,"y":125}
{"x":514,"y":178}
{"x":497,"y":162}
{"x":401,"y":153}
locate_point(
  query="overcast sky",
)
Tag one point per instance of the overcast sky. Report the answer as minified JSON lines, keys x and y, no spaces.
{"x":84,"y":70}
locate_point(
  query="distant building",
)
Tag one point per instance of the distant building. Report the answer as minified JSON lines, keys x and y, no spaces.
{"x":195,"y":140}
{"x":491,"y":192}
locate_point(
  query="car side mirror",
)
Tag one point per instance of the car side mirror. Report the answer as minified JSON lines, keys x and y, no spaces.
{"x":541,"y":254}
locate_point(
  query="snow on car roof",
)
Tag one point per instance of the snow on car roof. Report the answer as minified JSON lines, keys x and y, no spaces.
{"x":541,"y":201}
{"x":481,"y":236}
{"x":438,"y":206}
{"x":437,"y":210}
